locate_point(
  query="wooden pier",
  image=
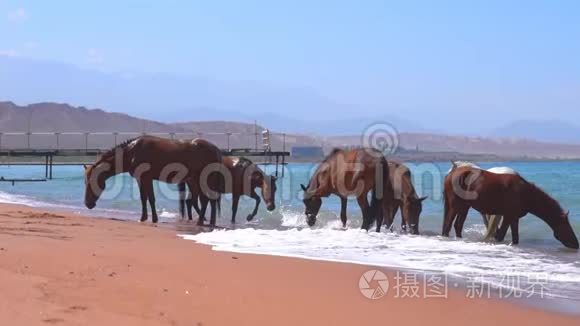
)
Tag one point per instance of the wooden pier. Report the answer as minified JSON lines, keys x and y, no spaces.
{"x":26,"y":155}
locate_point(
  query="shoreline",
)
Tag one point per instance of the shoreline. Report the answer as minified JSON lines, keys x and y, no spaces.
{"x":69,"y":269}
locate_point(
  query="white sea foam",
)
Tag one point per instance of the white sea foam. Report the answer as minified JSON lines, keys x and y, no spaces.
{"x":456,"y":257}
{"x":8,"y":198}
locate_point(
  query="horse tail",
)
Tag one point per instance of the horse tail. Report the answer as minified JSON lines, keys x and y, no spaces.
{"x":388,"y":196}
{"x":219,"y":206}
{"x":376,"y":209}
{"x":382,"y":194}
{"x":181,"y":189}
{"x":446,"y":209}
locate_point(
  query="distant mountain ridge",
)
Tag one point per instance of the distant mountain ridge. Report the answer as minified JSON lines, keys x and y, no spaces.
{"x":54,"y":117}
{"x":550,"y":131}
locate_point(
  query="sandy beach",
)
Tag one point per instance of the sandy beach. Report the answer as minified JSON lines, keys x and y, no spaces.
{"x":64,"y":269}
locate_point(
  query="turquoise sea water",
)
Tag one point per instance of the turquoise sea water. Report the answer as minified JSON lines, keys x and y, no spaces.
{"x":284,"y":231}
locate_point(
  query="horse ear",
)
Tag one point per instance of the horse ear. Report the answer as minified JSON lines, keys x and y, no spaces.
{"x":567,"y":214}
{"x":303,"y":187}
{"x":453,"y":164}
{"x":274,"y":177}
{"x":86,"y":167}
{"x":422,"y":198}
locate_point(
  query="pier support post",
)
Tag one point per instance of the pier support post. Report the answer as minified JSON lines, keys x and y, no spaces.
{"x":86,"y":141}
{"x":283,"y":164}
{"x":50,"y":168}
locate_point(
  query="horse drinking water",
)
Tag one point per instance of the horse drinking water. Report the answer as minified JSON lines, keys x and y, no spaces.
{"x":405,"y":197}
{"x":149,"y":158}
{"x":491,"y":221}
{"x":243,"y":178}
{"x":508,"y":195}
{"x":347,"y":173}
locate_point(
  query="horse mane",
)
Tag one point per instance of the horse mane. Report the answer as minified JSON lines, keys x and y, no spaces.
{"x":109,"y":153}
{"x":406,"y":178}
{"x":244,"y":163}
{"x":465,"y":163}
{"x":459,"y":164}
{"x":537,"y":191}
{"x":334,"y":151}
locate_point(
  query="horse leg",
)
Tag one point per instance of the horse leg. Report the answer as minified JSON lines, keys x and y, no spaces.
{"x":255,"y":196}
{"x":192,"y":200}
{"x":485,"y":219}
{"x":379,"y":212}
{"x":195,"y":203}
{"x":449,"y":216}
{"x":143,"y":194}
{"x":343,"y":203}
{"x":151,"y":197}
{"x":203,"y":200}
{"x":390,"y":209}
{"x":213,"y":204}
{"x":182,"y":200}
{"x":461,"y":217}
{"x":500,"y":234}
{"x":189,"y":204}
{"x":389,"y":220}
{"x":397,"y":205}
{"x":493,"y":222}
{"x":515,"y":227}
{"x":235,"y":202}
{"x":364,"y":207}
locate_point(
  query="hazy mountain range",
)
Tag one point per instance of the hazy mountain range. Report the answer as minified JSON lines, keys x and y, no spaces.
{"x":53,"y":117}
{"x":171,"y":98}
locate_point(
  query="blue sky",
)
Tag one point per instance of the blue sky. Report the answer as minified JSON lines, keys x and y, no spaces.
{"x":424,"y":60}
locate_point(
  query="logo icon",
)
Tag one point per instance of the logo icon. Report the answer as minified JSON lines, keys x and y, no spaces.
{"x":373,"y":284}
{"x":381,"y":136}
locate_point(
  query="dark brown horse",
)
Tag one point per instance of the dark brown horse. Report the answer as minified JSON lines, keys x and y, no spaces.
{"x":149,"y":158}
{"x":243,"y":178}
{"x":347,"y":173}
{"x":405,"y":197}
{"x":508,"y":195}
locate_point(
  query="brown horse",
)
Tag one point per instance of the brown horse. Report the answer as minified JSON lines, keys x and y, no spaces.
{"x":243,"y":179}
{"x":405,"y":197}
{"x":352,"y":173}
{"x":508,"y":195}
{"x":149,"y":158}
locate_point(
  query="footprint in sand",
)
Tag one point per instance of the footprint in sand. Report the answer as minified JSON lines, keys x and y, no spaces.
{"x":53,"y":320}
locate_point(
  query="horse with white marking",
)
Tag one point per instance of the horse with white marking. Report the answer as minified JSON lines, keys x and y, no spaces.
{"x":492,"y":222}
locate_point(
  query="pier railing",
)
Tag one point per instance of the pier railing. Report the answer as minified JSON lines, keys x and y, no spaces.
{"x":269,"y":148}
{"x":91,"y":141}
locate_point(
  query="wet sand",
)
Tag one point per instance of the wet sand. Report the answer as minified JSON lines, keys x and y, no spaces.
{"x":65,"y":269}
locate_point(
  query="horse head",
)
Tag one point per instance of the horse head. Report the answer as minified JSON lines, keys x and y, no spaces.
{"x":268,"y":185}
{"x":95,"y":179}
{"x":411,"y":211}
{"x":564,"y":233}
{"x":312,"y":204}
